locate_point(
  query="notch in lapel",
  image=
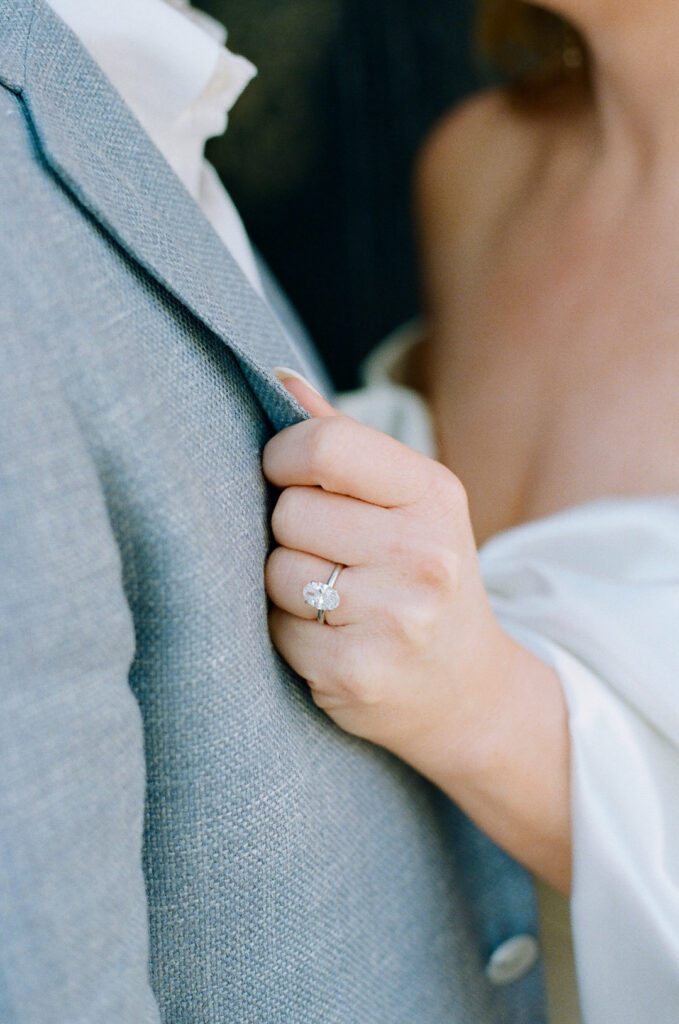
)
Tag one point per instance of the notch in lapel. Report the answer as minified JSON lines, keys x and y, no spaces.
{"x":91,"y":140}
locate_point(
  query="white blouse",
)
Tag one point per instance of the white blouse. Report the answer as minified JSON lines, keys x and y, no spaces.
{"x":594,"y":591}
{"x":171,"y":67}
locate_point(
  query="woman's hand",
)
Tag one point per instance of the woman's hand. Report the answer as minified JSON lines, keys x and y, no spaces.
{"x":414,"y":637}
{"x":413,"y":659}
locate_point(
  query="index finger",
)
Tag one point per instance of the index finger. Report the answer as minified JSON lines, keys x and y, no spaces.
{"x":345,"y":457}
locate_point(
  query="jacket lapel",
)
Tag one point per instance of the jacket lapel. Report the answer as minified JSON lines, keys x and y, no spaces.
{"x":91,"y":140}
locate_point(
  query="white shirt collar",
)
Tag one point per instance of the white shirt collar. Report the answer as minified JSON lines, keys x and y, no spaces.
{"x":170,"y":65}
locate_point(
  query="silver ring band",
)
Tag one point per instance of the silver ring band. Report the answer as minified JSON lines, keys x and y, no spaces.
{"x":334,"y":576}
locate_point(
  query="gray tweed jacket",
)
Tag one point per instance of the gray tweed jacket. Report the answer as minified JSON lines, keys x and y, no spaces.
{"x":183,"y":837}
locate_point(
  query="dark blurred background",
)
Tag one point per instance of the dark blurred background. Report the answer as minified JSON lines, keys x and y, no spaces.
{"x":320,"y":149}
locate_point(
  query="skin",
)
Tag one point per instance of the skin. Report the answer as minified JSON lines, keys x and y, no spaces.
{"x":430,"y":676}
{"x":549,"y":248}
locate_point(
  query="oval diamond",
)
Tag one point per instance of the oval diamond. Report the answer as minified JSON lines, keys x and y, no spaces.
{"x":321,"y":597}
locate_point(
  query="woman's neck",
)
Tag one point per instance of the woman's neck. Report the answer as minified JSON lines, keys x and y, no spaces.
{"x":635,"y":84}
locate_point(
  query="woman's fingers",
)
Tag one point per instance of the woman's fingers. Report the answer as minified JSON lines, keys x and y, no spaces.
{"x":365,"y":594}
{"x":288,"y":572}
{"x":333,"y":527}
{"x":345,"y":457}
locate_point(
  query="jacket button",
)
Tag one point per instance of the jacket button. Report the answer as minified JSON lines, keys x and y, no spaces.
{"x":512,"y":960}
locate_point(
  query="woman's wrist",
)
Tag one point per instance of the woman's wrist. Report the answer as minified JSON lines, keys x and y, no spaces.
{"x":505,"y":760}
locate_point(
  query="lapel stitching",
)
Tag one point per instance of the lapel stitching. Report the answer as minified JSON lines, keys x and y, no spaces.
{"x":93,"y":143}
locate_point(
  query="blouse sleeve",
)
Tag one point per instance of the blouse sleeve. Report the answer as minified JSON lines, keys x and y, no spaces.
{"x":595,"y":593}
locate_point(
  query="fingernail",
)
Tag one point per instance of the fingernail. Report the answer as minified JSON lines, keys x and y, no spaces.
{"x":285,"y":373}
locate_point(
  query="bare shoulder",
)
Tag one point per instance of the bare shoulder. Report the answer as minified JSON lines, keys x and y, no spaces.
{"x":471,"y":126}
{"x":475,"y":160}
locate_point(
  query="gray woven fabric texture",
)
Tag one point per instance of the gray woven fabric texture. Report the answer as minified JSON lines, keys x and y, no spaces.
{"x":184,"y":837}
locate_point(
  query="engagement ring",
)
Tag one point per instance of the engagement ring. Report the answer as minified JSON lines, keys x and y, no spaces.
{"x":323,"y":596}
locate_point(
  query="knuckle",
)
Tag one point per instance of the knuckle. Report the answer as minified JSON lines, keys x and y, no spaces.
{"x":279,"y":515}
{"x":270,"y":571}
{"x":324,"y":700}
{"x":319,"y":447}
{"x":458,"y":502}
{"x":277,"y":570}
{"x":269,"y":459}
{"x":409,"y":626}
{"x":286,"y":511}
{"x":327,"y":438}
{"x":417,"y":621}
{"x":438,"y":572}
{"x":448,"y":488}
{"x":277,"y":454}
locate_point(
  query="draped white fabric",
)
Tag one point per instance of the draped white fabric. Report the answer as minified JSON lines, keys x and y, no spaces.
{"x":595,"y":592}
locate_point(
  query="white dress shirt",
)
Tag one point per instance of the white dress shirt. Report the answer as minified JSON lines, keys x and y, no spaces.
{"x":169,"y":63}
{"x":593,"y":591}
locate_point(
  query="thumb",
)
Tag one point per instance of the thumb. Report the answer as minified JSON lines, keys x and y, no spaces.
{"x":307,"y":395}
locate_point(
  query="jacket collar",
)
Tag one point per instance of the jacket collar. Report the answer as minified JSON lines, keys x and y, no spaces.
{"x":93,"y":143}
{"x":15,"y":24}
